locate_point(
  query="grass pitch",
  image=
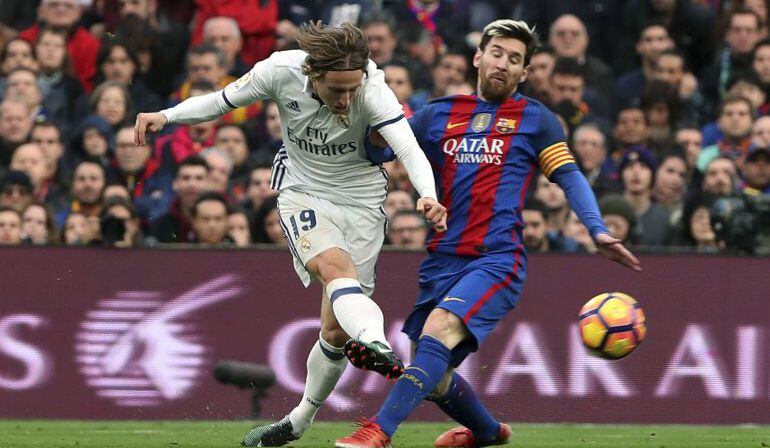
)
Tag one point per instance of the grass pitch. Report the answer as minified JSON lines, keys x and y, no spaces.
{"x":216,"y":434}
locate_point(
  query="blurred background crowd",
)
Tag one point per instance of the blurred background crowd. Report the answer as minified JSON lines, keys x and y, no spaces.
{"x":666,"y":104}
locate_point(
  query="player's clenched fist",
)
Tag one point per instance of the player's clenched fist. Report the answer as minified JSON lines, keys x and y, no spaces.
{"x":152,"y":122}
{"x":433,"y":212}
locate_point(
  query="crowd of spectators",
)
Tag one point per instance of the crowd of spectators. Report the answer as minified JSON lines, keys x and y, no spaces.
{"x":666,"y":105}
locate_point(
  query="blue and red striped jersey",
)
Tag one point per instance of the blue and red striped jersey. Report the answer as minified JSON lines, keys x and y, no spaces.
{"x":484,"y":156}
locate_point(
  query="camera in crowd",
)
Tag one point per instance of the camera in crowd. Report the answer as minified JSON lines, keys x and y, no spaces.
{"x":742,"y":223}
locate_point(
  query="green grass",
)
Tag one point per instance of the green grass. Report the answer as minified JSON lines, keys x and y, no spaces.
{"x":214,"y":434}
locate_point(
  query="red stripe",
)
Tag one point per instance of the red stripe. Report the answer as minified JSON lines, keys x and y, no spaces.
{"x":492,"y":290}
{"x":522,"y":196}
{"x":487,"y":181}
{"x":461,"y":112}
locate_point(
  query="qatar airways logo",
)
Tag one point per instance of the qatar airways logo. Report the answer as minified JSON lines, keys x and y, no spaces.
{"x":139,"y":348}
{"x":470,"y":149}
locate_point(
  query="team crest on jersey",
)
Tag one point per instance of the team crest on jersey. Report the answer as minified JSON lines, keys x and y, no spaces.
{"x":505,"y":125}
{"x":242,"y":81}
{"x":304,"y":244}
{"x":480,"y":122}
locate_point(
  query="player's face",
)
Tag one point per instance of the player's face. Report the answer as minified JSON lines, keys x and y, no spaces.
{"x":337,"y":89}
{"x":501,"y":68}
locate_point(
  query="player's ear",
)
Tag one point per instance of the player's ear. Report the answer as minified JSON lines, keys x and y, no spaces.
{"x":477,"y":57}
{"x":524,"y":74}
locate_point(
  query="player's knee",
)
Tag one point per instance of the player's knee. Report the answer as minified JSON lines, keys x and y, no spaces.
{"x":332,"y":264}
{"x":333,"y":334}
{"x":446,"y":327}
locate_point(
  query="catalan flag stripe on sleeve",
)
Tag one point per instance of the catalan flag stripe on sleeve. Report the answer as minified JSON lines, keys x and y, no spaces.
{"x":555,"y":156}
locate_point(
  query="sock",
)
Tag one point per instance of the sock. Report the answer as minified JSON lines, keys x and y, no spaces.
{"x":325,"y":365}
{"x":463,"y":405}
{"x":356,"y":313}
{"x":431,"y":360}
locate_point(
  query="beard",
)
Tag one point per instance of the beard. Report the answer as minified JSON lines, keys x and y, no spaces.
{"x":497,"y":89}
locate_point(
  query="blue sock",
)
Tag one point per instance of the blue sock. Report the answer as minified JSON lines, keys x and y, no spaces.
{"x":430,"y":363}
{"x":462,"y":404}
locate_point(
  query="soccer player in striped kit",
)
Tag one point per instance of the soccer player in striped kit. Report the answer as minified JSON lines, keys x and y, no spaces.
{"x":484,"y":149}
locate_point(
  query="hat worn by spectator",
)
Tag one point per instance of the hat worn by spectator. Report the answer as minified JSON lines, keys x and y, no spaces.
{"x":638,"y":154}
{"x":19,"y":178}
{"x":758,"y":152}
{"x":615,"y":204}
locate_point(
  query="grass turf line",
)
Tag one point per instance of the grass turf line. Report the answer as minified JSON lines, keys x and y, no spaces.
{"x":216,"y":434}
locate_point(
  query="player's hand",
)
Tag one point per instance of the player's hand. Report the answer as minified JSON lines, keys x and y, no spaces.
{"x":613,"y":249}
{"x":433,"y":212}
{"x":152,"y":122}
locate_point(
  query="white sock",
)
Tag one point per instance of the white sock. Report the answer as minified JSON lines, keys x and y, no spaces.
{"x":325,"y":365}
{"x":356,"y":313}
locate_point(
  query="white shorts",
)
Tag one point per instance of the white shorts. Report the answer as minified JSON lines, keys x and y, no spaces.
{"x":313,"y":225}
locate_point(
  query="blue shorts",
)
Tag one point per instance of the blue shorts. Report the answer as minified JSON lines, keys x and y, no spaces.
{"x":480,"y":291}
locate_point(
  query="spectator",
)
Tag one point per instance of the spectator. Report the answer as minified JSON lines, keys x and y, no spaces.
{"x":568,"y":94}
{"x":690,"y":139}
{"x":756,"y":171}
{"x":30,"y":159}
{"x":398,"y":200}
{"x":16,"y":190}
{"x":257,"y":20}
{"x":16,"y":53}
{"x":659,"y":103}
{"x":653,"y":40}
{"x":10,"y":227}
{"x":536,"y":236}
{"x":720,"y":177}
{"x":118,"y":62}
{"x":116,"y":191}
{"x":232,"y":139}
{"x":81,"y":45}
{"x":670,"y":186}
{"x":64,"y":98}
{"x":94,"y":140}
{"x":267,"y":223}
{"x":671,"y":68}
{"x":119,"y":224}
{"x":619,"y":217}
{"x":381,"y":38}
{"x":88,"y":182}
{"x":631,"y":129}
{"x":111,"y":101}
{"x":205,"y":63}
{"x":258,"y":190}
{"x":77,"y":230}
{"x":272,"y":140}
{"x":37,"y":227}
{"x":760,"y":132}
{"x":736,"y":117}
{"x":238,"y":227}
{"x":539,"y":75}
{"x":220,"y":167}
{"x":191,"y":180}
{"x":698,"y":231}
{"x":576,"y":231}
{"x":589,"y":144}
{"x":569,"y":38}
{"x":47,"y":135}
{"x":15,"y":126}
{"x":555,"y":201}
{"x":223,"y":33}
{"x":149,"y":187}
{"x":407,"y":230}
{"x":760,"y":62}
{"x":450,"y":68}
{"x":637,"y":173}
{"x":398,"y":79}
{"x":22,"y":85}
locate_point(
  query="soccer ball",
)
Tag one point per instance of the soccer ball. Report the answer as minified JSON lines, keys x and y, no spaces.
{"x":612,"y":325}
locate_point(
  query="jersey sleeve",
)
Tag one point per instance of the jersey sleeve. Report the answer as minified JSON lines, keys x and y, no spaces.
{"x":552,"y":151}
{"x":420,"y":121}
{"x":257,"y":84}
{"x":380,"y":103}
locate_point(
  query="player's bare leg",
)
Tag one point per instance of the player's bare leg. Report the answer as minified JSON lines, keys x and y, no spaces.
{"x":325,"y":365}
{"x":358,"y":315}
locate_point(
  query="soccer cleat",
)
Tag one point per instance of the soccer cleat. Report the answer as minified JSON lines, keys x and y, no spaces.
{"x":374,"y":356}
{"x":275,"y":434}
{"x":462,"y":437}
{"x":368,"y":435}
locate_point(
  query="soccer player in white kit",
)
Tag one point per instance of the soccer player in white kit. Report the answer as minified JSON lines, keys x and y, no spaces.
{"x":329,"y":96}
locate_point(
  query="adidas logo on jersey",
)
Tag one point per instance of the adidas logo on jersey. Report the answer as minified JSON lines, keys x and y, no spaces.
{"x":293,"y":105}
